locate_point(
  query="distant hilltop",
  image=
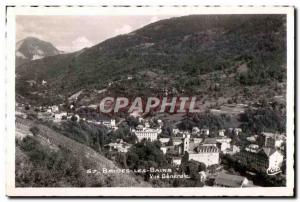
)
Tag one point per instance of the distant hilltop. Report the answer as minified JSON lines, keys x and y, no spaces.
{"x":32,"y":48}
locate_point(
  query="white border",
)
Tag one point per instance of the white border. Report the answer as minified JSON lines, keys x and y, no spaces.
{"x":92,"y":10}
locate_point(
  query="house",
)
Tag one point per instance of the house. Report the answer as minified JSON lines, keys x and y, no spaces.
{"x":280,"y":140}
{"x":175,"y":131}
{"x":160,"y":123}
{"x":109,"y":123}
{"x":164,"y":140}
{"x":197,"y":140}
{"x":233,"y":150}
{"x":165,"y":149}
{"x":223,"y":143}
{"x":204,"y":131}
{"x":228,"y":180}
{"x":237,"y":131}
{"x":59,"y":116}
{"x":202,"y":175}
{"x":221,"y":132}
{"x":176,"y":161}
{"x":254,"y":148}
{"x":195,"y":130}
{"x":54,"y":108}
{"x":252,"y":138}
{"x":119,"y":146}
{"x":177,"y":140}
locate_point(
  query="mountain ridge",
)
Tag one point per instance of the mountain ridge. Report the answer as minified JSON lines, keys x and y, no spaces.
{"x":182,"y":48}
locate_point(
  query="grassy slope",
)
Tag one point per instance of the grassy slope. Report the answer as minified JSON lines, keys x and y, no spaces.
{"x":86,"y":157}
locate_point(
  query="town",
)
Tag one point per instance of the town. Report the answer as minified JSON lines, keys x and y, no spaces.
{"x":224,"y":157}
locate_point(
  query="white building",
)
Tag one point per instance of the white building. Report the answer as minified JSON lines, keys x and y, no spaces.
{"x":54,"y":108}
{"x":204,"y":131}
{"x":121,"y":146}
{"x":146,"y":133}
{"x":209,"y":155}
{"x":195,"y":130}
{"x":110,"y":123}
{"x":237,"y":131}
{"x":205,"y":152}
{"x":164,"y":140}
{"x":176,"y":161}
{"x":58,"y":117}
{"x":224,"y":143}
{"x":175,"y":131}
{"x":221,"y":132}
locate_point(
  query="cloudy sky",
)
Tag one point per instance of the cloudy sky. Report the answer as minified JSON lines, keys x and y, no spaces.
{"x":72,"y":33}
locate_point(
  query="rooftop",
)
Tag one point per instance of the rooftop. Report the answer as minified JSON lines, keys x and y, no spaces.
{"x":228,"y":180}
{"x":209,"y":141}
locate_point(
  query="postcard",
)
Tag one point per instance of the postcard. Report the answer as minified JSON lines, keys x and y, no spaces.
{"x":148,"y":101}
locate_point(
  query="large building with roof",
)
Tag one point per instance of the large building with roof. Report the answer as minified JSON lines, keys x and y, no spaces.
{"x":227,"y":180}
{"x":205,"y":152}
{"x":265,"y":158}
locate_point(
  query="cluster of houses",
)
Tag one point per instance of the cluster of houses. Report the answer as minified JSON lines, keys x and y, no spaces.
{"x":53,"y":113}
{"x":198,"y":146}
{"x":205,"y":150}
{"x":265,"y":151}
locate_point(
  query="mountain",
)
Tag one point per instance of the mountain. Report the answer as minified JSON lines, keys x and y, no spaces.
{"x":190,"y":54}
{"x":32,"y":48}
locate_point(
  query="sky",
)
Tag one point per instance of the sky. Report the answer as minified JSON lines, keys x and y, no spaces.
{"x":72,"y":33}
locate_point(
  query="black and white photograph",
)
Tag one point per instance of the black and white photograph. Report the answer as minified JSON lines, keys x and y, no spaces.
{"x":150,"y":101}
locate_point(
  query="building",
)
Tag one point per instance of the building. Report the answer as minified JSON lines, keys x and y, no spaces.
{"x":221,"y":132}
{"x":164,"y":140}
{"x":204,"y":131}
{"x":197,"y":140}
{"x":252,"y":138}
{"x":146,"y":133}
{"x":177,"y":140}
{"x":202,"y":175}
{"x":223,"y":143}
{"x":119,"y":146}
{"x":59,"y":116}
{"x":210,"y":142}
{"x":237,"y":131}
{"x":254,"y":148}
{"x":262,"y":159}
{"x":54,"y":108}
{"x":267,"y":139}
{"x":109,"y":123}
{"x":209,"y":155}
{"x":205,"y":152}
{"x":166,"y":149}
{"x":175,"y":131}
{"x":227,"y":180}
{"x":176,"y":161}
{"x":195,"y":130}
{"x":233,"y":150}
